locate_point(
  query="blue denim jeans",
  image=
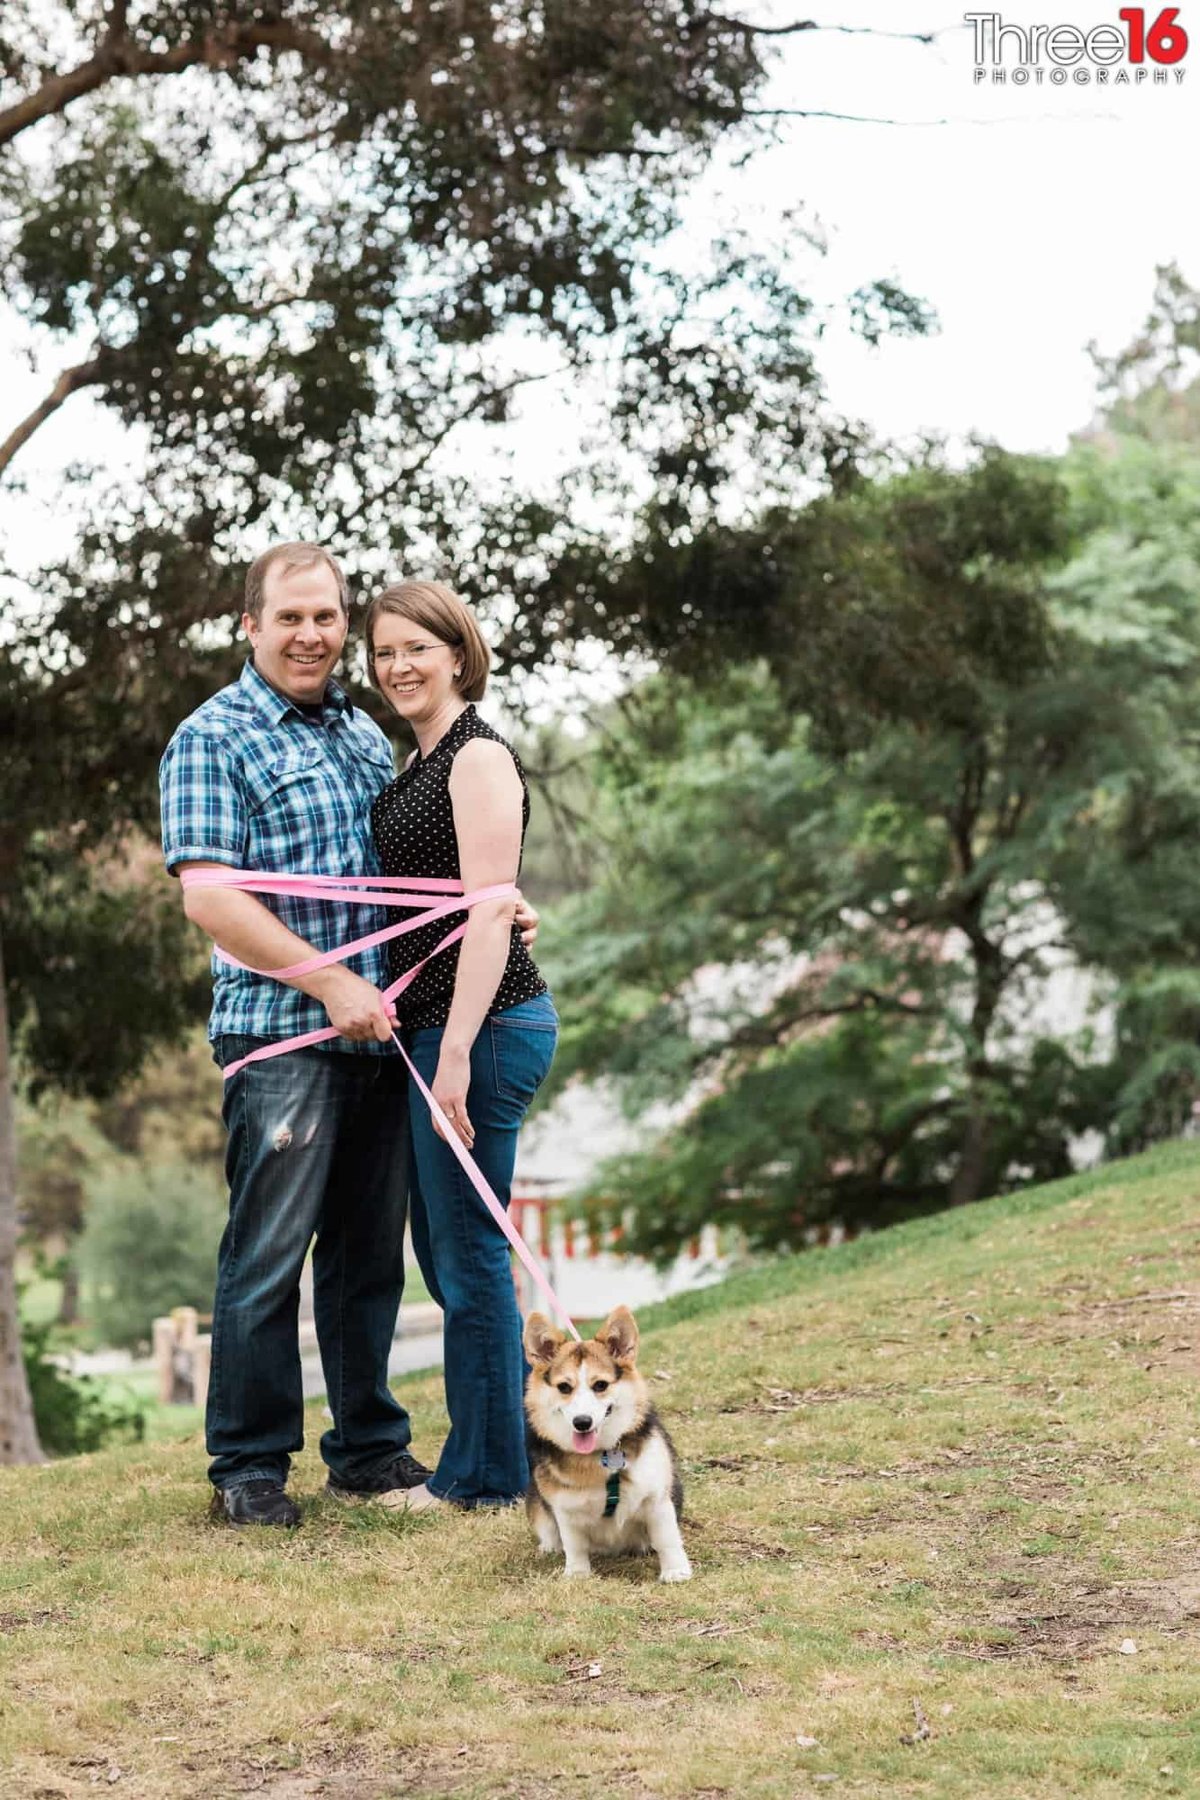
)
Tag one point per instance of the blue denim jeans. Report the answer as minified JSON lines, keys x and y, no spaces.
{"x":318,"y":1146}
{"x":465,"y":1258}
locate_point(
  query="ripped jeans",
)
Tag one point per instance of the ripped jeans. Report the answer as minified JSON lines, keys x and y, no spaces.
{"x":318,"y":1146}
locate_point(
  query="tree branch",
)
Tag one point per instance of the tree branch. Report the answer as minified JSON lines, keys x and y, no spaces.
{"x":117,"y":55}
{"x":800,"y":112}
{"x":484,"y":397}
{"x":85,"y":374}
{"x":752,"y":30}
{"x":109,"y":360}
{"x":760,"y":1034}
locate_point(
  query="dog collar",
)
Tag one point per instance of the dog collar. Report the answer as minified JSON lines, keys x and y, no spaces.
{"x":614,"y":1461}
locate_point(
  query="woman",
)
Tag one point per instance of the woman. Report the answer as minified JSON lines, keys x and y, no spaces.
{"x":478,"y":1021}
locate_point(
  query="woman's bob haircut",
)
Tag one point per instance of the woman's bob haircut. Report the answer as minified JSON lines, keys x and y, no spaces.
{"x":437,"y":609}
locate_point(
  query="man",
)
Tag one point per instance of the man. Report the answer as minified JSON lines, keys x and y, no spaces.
{"x":277,"y":772}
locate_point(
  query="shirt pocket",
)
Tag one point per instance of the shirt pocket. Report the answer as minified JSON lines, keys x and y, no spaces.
{"x":375,"y":767}
{"x":284,"y":781}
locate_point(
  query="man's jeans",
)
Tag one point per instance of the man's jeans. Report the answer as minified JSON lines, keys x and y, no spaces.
{"x":465,"y":1258}
{"x":318,"y":1144}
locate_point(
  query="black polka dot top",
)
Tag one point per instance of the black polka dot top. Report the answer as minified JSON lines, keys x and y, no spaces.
{"x":413,"y":823}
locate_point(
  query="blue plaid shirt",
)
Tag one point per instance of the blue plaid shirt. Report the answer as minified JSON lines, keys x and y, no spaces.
{"x":249,"y":781}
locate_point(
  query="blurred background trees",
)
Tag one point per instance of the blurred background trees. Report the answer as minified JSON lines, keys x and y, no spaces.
{"x":846,"y":855}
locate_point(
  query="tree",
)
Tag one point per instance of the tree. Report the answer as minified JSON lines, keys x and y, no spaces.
{"x":301,"y":247}
{"x":840,"y":873}
{"x":168,"y":1113}
{"x":1151,"y":388}
{"x":149,"y":1244}
{"x":18,"y":1435}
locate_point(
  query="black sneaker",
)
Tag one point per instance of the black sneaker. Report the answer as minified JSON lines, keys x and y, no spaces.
{"x":398,"y":1475}
{"x":255,"y":1503}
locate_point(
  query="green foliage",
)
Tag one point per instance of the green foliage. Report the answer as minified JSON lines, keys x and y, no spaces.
{"x":74,"y":1414}
{"x":149,"y":1243}
{"x":838,"y":879}
{"x":53,"y":1159}
{"x":76,"y":938}
{"x":555,"y":860}
{"x":1151,"y":388}
{"x":900,"y":598}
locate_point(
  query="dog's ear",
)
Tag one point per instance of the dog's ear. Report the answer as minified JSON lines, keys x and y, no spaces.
{"x":619,"y":1335}
{"x":541,"y":1339}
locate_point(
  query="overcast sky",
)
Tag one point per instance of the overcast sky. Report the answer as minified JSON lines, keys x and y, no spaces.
{"x":1030,"y":218}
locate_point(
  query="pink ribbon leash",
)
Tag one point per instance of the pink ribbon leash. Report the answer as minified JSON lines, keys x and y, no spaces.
{"x":437,"y":898}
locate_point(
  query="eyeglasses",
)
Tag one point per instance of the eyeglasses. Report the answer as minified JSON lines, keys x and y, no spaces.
{"x":384,"y":658}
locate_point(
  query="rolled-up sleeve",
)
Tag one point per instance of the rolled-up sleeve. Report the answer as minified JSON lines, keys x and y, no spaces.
{"x":203,"y":807}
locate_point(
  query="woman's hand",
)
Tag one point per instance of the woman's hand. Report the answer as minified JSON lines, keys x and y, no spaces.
{"x":527,"y":919}
{"x":450,"y":1085}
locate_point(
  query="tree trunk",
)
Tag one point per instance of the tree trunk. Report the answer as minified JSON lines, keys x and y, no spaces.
{"x":18,"y":1433}
{"x":68,"y":1305}
{"x":972,"y":1176}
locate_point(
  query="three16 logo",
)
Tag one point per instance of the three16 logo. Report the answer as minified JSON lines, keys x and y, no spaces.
{"x":1146,"y":48}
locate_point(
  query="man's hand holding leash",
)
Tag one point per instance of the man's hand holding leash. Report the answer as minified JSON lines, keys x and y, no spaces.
{"x":243,"y":927}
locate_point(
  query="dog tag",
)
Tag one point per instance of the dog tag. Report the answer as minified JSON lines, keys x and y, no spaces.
{"x":612,"y":1459}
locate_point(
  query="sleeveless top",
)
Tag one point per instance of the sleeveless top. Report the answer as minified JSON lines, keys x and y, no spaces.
{"x":412,"y":820}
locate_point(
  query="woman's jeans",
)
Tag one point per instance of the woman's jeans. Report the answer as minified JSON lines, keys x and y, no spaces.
{"x":318,"y":1144}
{"x":465,"y":1257}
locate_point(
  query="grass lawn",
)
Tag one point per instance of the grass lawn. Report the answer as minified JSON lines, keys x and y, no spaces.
{"x":941,"y":1500}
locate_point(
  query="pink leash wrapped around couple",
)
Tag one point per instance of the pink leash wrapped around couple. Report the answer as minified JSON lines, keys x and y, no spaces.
{"x":437,"y":899}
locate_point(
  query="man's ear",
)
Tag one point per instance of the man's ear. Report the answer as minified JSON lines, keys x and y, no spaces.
{"x":249,"y":626}
{"x":619,"y":1336}
{"x":541,"y":1338}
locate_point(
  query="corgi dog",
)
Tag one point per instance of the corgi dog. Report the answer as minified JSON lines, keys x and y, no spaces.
{"x":604,"y":1475}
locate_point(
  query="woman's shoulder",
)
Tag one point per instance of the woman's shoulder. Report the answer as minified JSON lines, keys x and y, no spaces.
{"x":475,"y":729}
{"x":484,"y":757}
{"x":481,"y":742}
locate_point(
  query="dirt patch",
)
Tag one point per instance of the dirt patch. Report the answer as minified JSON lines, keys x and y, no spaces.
{"x":1164,"y":1310}
{"x":940,"y":1463}
{"x":1159,"y":1328}
{"x":352,"y":1785}
{"x":745,"y":1546}
{"x":335,"y":1772}
{"x":722,"y":1462}
{"x":1088,"y":1622}
{"x":783,"y":1400}
{"x":1175,"y":1601}
{"x":881,"y":1640}
{"x":50,"y":1615}
{"x":1187,"y":1299}
{"x":1053,"y":1462}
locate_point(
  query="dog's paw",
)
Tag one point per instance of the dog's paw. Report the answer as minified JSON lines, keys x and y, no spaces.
{"x":580,"y":1572}
{"x":683,"y":1572}
{"x":549,"y":1549}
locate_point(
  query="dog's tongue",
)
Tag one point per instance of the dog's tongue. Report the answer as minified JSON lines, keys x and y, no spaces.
{"x":584,"y":1442}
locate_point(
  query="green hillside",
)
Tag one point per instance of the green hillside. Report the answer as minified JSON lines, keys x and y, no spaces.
{"x":941,"y":1481}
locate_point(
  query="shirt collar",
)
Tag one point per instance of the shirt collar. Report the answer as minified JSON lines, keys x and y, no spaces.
{"x":274,"y":707}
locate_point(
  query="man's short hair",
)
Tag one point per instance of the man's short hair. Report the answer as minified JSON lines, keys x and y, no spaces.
{"x":288,"y":557}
